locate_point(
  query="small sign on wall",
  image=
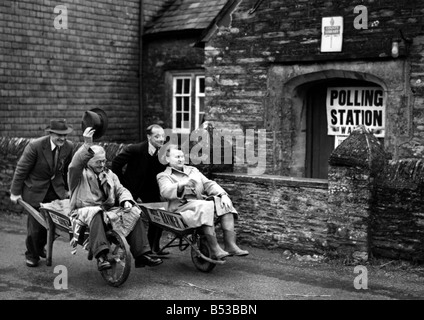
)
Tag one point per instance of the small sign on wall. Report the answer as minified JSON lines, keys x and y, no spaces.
{"x":332,"y":34}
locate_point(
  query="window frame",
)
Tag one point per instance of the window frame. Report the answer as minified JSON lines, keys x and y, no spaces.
{"x":194,"y":96}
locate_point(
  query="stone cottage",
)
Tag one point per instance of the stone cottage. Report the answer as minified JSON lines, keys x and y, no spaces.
{"x":285,"y":81}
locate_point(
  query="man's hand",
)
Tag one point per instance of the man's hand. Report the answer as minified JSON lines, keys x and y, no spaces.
{"x":226,"y":202}
{"x":186,"y":182}
{"x":192,"y":183}
{"x":88,"y":135}
{"x":127,"y":205}
{"x":15,"y":198}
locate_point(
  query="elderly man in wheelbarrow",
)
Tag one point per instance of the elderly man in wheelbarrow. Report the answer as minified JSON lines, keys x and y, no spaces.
{"x":97,"y":198}
{"x":186,"y":190}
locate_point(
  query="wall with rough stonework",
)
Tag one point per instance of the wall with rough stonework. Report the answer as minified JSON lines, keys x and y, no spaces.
{"x":397,"y":226}
{"x":162,"y":55}
{"x":59,"y":73}
{"x":245,"y":64}
{"x":353,"y":168}
{"x":376,"y":204}
{"x":370,"y":206}
{"x":279,"y":212}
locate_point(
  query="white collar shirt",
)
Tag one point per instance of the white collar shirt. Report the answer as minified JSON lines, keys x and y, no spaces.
{"x":52,"y":145}
{"x":152,"y":149}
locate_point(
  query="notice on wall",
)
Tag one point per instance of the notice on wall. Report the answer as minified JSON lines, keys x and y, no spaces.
{"x":349,"y":107}
{"x":338,"y":140}
{"x":332,"y":34}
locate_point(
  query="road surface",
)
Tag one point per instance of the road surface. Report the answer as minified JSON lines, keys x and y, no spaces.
{"x":263,"y":275}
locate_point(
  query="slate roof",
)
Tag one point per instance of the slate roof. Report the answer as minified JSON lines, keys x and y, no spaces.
{"x":185,"y":15}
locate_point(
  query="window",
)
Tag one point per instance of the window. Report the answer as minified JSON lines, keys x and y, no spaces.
{"x":188,"y":102}
{"x":200,"y":100}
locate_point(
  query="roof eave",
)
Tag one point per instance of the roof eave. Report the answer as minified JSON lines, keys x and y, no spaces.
{"x":208,"y":32}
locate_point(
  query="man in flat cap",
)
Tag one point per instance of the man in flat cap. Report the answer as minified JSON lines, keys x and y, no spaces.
{"x":40,"y":177}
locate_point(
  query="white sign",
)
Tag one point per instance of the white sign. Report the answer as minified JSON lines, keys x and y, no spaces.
{"x":332,"y":34}
{"x":349,"y":107}
{"x":168,"y":219}
{"x":338,"y":140}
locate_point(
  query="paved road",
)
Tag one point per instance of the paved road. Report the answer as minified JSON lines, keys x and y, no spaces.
{"x":264,"y":275}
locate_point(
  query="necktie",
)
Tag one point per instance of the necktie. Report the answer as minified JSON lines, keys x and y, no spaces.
{"x":155,"y":154}
{"x":55,"y":158}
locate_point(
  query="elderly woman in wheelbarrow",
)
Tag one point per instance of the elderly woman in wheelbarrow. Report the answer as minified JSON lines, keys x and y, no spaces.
{"x":186,"y":188}
{"x":98,"y":197}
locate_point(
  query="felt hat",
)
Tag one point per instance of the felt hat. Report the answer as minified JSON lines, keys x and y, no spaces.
{"x":97,"y":119}
{"x":59,"y":127}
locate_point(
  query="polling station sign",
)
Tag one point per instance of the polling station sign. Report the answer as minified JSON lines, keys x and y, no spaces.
{"x":348,"y":107}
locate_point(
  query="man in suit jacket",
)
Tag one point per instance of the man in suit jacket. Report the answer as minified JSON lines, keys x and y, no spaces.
{"x":40,"y":177}
{"x":142,"y":166}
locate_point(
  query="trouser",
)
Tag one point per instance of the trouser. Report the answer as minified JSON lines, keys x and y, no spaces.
{"x":137,"y":238}
{"x":154,"y":235}
{"x":36,"y":234}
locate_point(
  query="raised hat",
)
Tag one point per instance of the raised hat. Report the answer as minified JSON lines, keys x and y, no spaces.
{"x":97,"y":119}
{"x":59,"y":127}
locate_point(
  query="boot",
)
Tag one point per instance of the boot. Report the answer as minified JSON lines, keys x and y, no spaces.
{"x":216,"y":250}
{"x":231,"y":246}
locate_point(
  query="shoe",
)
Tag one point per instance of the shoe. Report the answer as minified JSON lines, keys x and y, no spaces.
{"x":31,"y":263}
{"x":239,"y":253}
{"x":43,"y":254}
{"x":221,"y":256}
{"x":146,"y":260}
{"x":160,"y":253}
{"x":103,"y":264}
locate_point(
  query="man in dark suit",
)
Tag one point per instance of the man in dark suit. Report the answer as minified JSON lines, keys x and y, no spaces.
{"x":142,"y":166}
{"x":40,"y":177}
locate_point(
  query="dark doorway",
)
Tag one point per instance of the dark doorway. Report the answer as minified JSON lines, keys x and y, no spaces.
{"x":320,"y":145}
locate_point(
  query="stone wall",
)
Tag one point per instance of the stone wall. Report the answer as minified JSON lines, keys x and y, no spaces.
{"x":397,"y":225}
{"x":59,"y":73}
{"x":279,"y":212}
{"x":370,"y":206}
{"x":375,"y":203}
{"x":354,"y":166}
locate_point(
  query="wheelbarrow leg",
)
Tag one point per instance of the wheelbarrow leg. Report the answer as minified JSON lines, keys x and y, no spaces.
{"x":51,"y":231}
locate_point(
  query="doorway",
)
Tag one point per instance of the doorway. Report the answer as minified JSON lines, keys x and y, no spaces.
{"x":320,"y":145}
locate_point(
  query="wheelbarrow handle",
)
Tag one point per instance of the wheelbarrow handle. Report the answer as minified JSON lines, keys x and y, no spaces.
{"x":37,"y":215}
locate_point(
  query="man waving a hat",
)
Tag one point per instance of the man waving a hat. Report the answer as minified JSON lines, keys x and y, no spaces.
{"x":40,"y":177}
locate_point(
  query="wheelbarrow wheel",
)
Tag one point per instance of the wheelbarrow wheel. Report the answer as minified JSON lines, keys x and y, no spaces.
{"x":119,"y":257}
{"x":200,"y":263}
